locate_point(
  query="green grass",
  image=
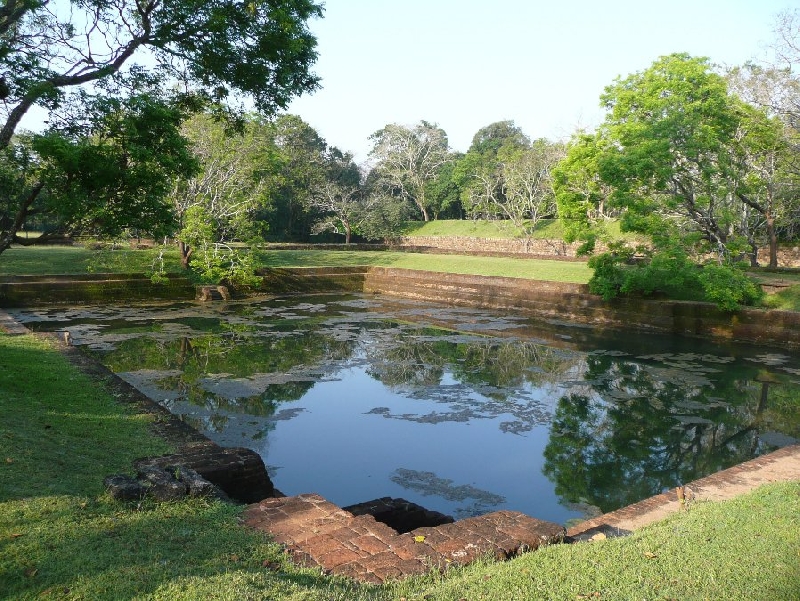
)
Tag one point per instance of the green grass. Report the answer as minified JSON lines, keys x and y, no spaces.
{"x":546,"y":229}
{"x":77,"y":260}
{"x":785,"y":300}
{"x":540,"y":269}
{"x":62,"y":537}
{"x":51,"y":260}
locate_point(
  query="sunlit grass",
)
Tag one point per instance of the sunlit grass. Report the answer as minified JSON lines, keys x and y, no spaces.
{"x":538,"y":269}
{"x":68,"y":260}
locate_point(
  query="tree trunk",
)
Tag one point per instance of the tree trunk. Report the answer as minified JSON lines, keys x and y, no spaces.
{"x":185,"y":252}
{"x":773,"y":241}
{"x":347,"y":233}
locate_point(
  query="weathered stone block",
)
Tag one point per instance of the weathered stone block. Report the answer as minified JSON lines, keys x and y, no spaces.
{"x":162,"y":485}
{"x":239,"y":472}
{"x":124,"y":488}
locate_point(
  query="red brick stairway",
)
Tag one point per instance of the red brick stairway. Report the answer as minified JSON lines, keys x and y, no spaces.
{"x":317,"y":533}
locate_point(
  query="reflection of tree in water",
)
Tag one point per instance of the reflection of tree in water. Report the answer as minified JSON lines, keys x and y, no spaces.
{"x":410,"y":360}
{"x":243,"y":373}
{"x":429,"y":484}
{"x":643,"y":426}
{"x":492,"y":378}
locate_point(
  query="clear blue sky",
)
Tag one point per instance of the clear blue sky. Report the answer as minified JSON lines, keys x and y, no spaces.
{"x":466,"y":63}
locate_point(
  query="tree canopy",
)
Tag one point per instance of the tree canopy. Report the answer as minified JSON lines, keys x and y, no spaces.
{"x":151,"y":60}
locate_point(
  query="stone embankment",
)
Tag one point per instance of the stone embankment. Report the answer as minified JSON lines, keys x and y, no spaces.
{"x":30,"y":290}
{"x":552,"y":301}
{"x":319,"y":534}
{"x":556,"y":249}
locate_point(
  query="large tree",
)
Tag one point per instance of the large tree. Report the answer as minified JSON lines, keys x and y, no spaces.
{"x":233,"y":181}
{"x":338,"y":197}
{"x":409,"y":159}
{"x":59,"y":55}
{"x":107,"y":170}
{"x":222,"y":47}
{"x":300,"y":161}
{"x":670,"y":153}
{"x":479,"y":172}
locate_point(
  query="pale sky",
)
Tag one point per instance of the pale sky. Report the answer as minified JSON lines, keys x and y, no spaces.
{"x":464,"y":64}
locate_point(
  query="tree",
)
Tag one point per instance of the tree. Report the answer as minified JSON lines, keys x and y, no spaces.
{"x":479,"y":173}
{"x":338,"y":196}
{"x":580,"y":193}
{"x":408,"y":159}
{"x":527,"y":183}
{"x":105,"y":170}
{"x":220,"y":47}
{"x":299,"y":165}
{"x":769,"y":152}
{"x":231,"y":183}
{"x":66,"y":61}
{"x":670,"y":153}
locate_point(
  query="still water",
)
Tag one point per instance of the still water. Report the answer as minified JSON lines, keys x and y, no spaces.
{"x":463,"y":411}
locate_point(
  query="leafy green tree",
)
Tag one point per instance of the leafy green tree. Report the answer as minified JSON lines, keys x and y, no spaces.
{"x":581,"y":195}
{"x":66,"y":61}
{"x":769,"y":154}
{"x":102,"y":171}
{"x":527,"y":183}
{"x":232,"y":183}
{"x":670,"y":154}
{"x":299,"y":165}
{"x":261,"y":49}
{"x":338,"y":196}
{"x":409,"y":159}
{"x":444,"y":192}
{"x":479,"y":173}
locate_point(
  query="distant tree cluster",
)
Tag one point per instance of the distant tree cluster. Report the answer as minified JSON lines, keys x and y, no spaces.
{"x":146,"y":135}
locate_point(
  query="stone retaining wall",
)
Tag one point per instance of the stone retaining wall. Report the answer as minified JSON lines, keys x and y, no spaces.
{"x":490,"y":246}
{"x":787,"y":256}
{"x":552,"y":301}
{"x":26,"y":291}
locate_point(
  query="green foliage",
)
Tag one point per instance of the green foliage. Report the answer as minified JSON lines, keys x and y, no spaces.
{"x":409,"y":160}
{"x":212,"y":261}
{"x":218,"y":47}
{"x":580,"y":194}
{"x":102,"y":171}
{"x":729,"y":287}
{"x":787,"y":299}
{"x":669,"y":271}
{"x":112,"y":148}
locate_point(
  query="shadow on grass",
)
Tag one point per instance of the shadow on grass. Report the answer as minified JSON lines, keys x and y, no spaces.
{"x":106,"y":550}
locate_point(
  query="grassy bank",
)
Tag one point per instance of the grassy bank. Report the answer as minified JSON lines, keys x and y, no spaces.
{"x":77,"y":260}
{"x":62,"y":537}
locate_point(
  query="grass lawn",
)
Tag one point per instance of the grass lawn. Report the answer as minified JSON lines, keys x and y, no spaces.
{"x":51,"y":260}
{"x":546,"y":229}
{"x":540,"y":269}
{"x":62,"y":537}
{"x":77,"y":260}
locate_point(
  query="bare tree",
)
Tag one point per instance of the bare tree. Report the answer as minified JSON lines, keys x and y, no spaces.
{"x":408,"y":159}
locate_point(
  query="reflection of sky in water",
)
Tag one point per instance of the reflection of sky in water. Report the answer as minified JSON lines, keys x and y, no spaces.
{"x":460,"y":410}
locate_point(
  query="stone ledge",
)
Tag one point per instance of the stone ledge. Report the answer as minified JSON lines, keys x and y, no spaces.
{"x":779,"y":466}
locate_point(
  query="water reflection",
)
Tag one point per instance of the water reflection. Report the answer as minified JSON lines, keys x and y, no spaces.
{"x":460,"y":410}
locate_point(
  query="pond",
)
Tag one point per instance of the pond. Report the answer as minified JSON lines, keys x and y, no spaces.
{"x":463,"y":411}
